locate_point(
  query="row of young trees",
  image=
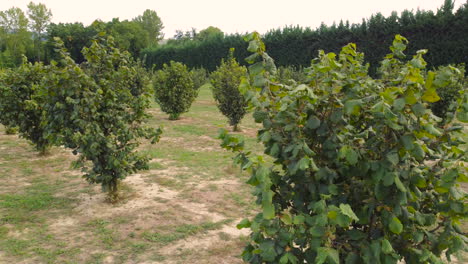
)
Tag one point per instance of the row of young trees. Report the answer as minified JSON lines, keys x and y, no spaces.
{"x":32,"y":34}
{"x":440,"y":32}
{"x":176,"y":88}
{"x":363,"y":171}
{"x":96,"y":108}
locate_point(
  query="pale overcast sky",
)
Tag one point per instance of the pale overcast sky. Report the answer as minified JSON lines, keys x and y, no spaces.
{"x":230,"y":16}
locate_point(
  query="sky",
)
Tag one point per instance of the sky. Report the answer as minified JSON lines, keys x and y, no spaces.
{"x":235,"y":16}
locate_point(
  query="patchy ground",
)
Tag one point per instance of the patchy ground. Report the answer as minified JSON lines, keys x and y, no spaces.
{"x":183,"y":210}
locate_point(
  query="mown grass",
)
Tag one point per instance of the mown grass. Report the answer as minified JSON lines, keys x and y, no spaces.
{"x":182,"y":232}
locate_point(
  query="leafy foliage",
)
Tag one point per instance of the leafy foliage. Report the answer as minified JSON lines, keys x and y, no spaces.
{"x":362,"y":172}
{"x":225,"y":86}
{"x":21,"y":105}
{"x":174,"y":89}
{"x":75,"y":37}
{"x":199,"y":77}
{"x":449,"y":94}
{"x":97,"y":109}
{"x":290,"y":75}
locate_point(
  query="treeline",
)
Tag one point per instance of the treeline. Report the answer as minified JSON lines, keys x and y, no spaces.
{"x":32,"y":34}
{"x":441,"y":32}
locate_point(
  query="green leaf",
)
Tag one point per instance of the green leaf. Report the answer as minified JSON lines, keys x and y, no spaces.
{"x":346,"y":210}
{"x":268,"y":211}
{"x":317,"y":231}
{"x":343,"y":220}
{"x":389,"y":178}
{"x":355,"y":234}
{"x":245,"y":223}
{"x":393,"y":158}
{"x":286,"y":218}
{"x":268,"y":207}
{"x":399,"y":184}
{"x":259,"y":81}
{"x":418,"y":237}
{"x":262,"y":174}
{"x":253,"y":46}
{"x":265,"y":136}
{"x":386,"y":247}
{"x":333,"y":189}
{"x":399,"y":104}
{"x":274,"y":150}
{"x":349,"y":154}
{"x":410,"y":98}
{"x":288,"y":258}
{"x":324,"y":173}
{"x":332,"y":215}
{"x":322,"y":254}
{"x":313,"y":122}
{"x":432,"y":130}
{"x":418,"y":109}
{"x":418,"y":152}
{"x":431,"y":96}
{"x":462,"y":116}
{"x":252,"y":58}
{"x":430,"y":79}
{"x":418,"y":63}
{"x":352,"y":107}
{"x":352,"y":258}
{"x":408,"y":142}
{"x":319,"y":220}
{"x":256,"y":68}
{"x":303,"y":163}
{"x":319,"y":207}
{"x":395,"y":225}
{"x":267,"y":251}
{"x":333,"y":256}
{"x":284,"y":259}
{"x":299,"y":219}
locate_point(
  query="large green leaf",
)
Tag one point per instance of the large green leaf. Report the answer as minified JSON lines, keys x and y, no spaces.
{"x":386,"y":246}
{"x":395,"y":225}
{"x":267,"y":250}
{"x":322,"y":254}
{"x":268,"y":207}
{"x":327,"y":254}
{"x":399,"y":184}
{"x":352,"y":107}
{"x":349,"y":154}
{"x":346,"y":210}
{"x":313,"y":122}
{"x":430,"y":95}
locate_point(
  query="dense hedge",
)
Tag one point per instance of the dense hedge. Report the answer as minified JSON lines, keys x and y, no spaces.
{"x":196,"y":54}
{"x":440,"y":33}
